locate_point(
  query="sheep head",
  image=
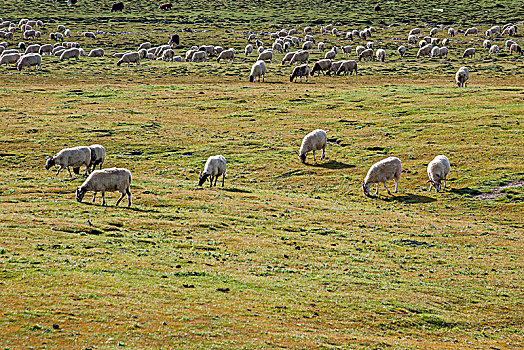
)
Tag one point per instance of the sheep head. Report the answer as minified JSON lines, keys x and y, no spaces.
{"x":80,"y":193}
{"x":365,"y":188}
{"x":251,"y":78}
{"x":49,"y":163}
{"x":202,"y":178}
{"x":302,"y":157}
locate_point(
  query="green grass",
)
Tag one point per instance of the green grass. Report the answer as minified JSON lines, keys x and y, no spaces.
{"x":285,"y":255}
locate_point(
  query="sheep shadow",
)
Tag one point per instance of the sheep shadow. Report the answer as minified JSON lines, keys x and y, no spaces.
{"x":236,"y":190}
{"x":408,"y":199}
{"x":125,"y":207}
{"x":466,"y":191}
{"x":333,"y":164}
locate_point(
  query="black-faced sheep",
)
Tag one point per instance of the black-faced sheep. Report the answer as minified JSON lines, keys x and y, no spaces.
{"x":215,"y":166}
{"x":438,"y":170}
{"x":107,"y":180}
{"x":314,"y":141}
{"x":381,"y":172}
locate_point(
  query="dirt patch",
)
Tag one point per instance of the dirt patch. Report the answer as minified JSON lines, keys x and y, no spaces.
{"x":497,"y":191}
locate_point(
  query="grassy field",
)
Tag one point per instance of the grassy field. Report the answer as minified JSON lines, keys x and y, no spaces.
{"x":286,"y":255}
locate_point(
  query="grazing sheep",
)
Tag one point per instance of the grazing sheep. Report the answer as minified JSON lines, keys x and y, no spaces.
{"x":471,"y":31}
{"x":177,"y":59}
{"x":412,"y":39}
{"x":147,"y":45}
{"x":433,"y":32}
{"x":424,"y":51}
{"x":349,"y":66}
{"x":266,"y":55}
{"x":96,"y":53}
{"x":362,"y":34}
{"x":277,"y":47}
{"x":422,"y":43}
{"x":381,"y":172}
{"x":67,"y":33}
{"x":307,"y":30}
{"x":359,"y":49}
{"x":321,"y":46}
{"x":248,"y":50}
{"x":469,"y":52}
{"x":314,"y":141}
{"x":259,"y":43}
{"x":174,"y":40}
{"x":57,"y":50}
{"x":443,"y":52}
{"x":451,"y":32}
{"x":257,"y":70}
{"x":215,"y":166}
{"x":495,"y":29}
{"x":300,"y":71}
{"x":381,"y":55}
{"x":366,"y":53}
{"x":71,"y":157}
{"x":288,"y":56}
{"x":98,"y":156}
{"x":434,"y":41}
{"x":29,"y":60}
{"x":261,"y":49}
{"x":515,"y":48}
{"x":414,"y":31}
{"x":89,"y":35}
{"x":45,"y":49}
{"x":486,"y":44}
{"x":438,"y":170}
{"x":494,"y":50}
{"x":9,"y":58}
{"x":189,"y":55}
{"x":300,"y":56}
{"x":107,"y":180}
{"x":511,"y":30}
{"x":29,"y":34}
{"x":370,"y":45}
{"x":118,"y":6}
{"x":488,"y":34}
{"x":70,"y":53}
{"x":130,"y":57}
{"x":168,"y":55}
{"x":35,"y":48}
{"x":346,"y":50}
{"x":462,"y":76}
{"x":330,"y":55}
{"x":435,"y":51}
{"x":228,"y":54}
{"x":508,"y":44}
{"x":401,"y":50}
{"x":321,"y":66}
{"x":445,"y":42}
{"x":308,"y":45}
{"x":209,"y":49}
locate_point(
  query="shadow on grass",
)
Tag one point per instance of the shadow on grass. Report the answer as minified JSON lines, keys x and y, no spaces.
{"x":236,"y":190}
{"x":120,"y":206}
{"x":466,"y":191}
{"x":333,"y":164}
{"x":408,"y":199}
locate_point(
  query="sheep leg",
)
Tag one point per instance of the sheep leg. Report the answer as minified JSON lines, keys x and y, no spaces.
{"x":128,"y":192}
{"x":94,"y":196}
{"x":211,"y":181}
{"x":323,"y":153}
{"x":430,"y":184}
{"x":103,"y":198}
{"x":387,"y":189}
{"x":396,"y":186}
{"x":119,"y":199}
{"x":376,"y":192}
{"x":223,"y":177}
{"x":314,"y":158}
{"x":216,"y":178}
{"x":59,"y":169}
{"x":70,"y":175}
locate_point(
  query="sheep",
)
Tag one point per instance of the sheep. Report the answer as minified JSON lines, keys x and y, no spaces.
{"x":71,"y":157}
{"x":366,"y":53}
{"x":21,"y":46}
{"x":98,"y":156}
{"x":261,"y":49}
{"x":434,"y":41}
{"x":401,"y":50}
{"x":414,"y":31}
{"x":248,"y":50}
{"x":469,"y":52}
{"x":381,"y":172}
{"x":330,"y":55}
{"x":321,"y":66}
{"x":67,"y":33}
{"x":308,"y":45}
{"x":147,"y":45}
{"x":61,"y":28}
{"x":35,"y":48}
{"x":9,"y":58}
{"x":177,"y":59}
{"x":435,"y":51}
{"x":277,"y":47}
{"x":443,"y":52}
{"x":130,"y":57}
{"x":424,"y":51}
{"x":488,"y":33}
{"x":29,"y":60}
{"x":160,"y":50}
{"x":215,"y":166}
{"x":462,"y":76}
{"x":438,"y":170}
{"x":495,"y":29}
{"x":445,"y":42}
{"x":168,"y":55}
{"x":307,"y":30}
{"x":96,"y":53}
{"x":511,"y":30}
{"x":300,"y":56}
{"x":251,"y":37}
{"x":494,"y":49}
{"x":321,"y":46}
{"x":258,"y":43}
{"x":508,"y":44}
{"x":257,"y":70}
{"x":314,"y":141}
{"x":328,"y":27}
{"x":45,"y":49}
{"x":486,"y":44}
{"x":359,"y":49}
{"x":189,"y":55}
{"x":107,"y":180}
{"x":288,"y":57}
{"x":471,"y":31}
{"x":227,"y":55}
{"x":89,"y":35}
{"x":334,"y":31}
{"x":451,"y":32}
{"x":300,"y":71}
{"x":346,"y":50}
{"x":412,"y":39}
{"x":381,"y":55}
{"x":70,"y":53}
{"x":349,"y":66}
{"x":174,"y":40}
{"x":422,"y":43}
{"x":266,"y":56}
{"x":515,"y":48}
{"x":433,"y":32}
{"x":209,"y":49}
{"x":29,"y":34}
{"x":369,"y":45}
{"x":335,"y":66}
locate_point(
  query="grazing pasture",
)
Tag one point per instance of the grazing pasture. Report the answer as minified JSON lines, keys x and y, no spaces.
{"x":285,"y":255}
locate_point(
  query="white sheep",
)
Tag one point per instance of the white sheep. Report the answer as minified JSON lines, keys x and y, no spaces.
{"x":321,"y":46}
{"x":471,"y":31}
{"x":381,"y":172}
{"x":435,"y":51}
{"x":495,"y":29}
{"x":96,"y":53}
{"x":366,"y":53}
{"x":370,"y":44}
{"x":348,"y":67}
{"x":98,"y":156}
{"x":438,"y":170}
{"x":299,"y":72}
{"x":494,"y":49}
{"x":359,"y":49}
{"x":314,"y":141}
{"x":277,"y":47}
{"x":508,"y":44}
{"x":67,"y":33}
{"x":45,"y":49}
{"x":300,"y":56}
{"x":31,"y":33}
{"x":89,"y":35}
{"x":330,"y":55}
{"x":71,"y":157}
{"x":248,"y":50}
{"x":462,"y":76}
{"x":70,"y":53}
{"x":61,"y":28}
{"x":189,"y":55}
{"x":424,"y":51}
{"x":228,"y":54}
{"x":434,"y":41}
{"x":401,"y":50}
{"x":168,"y":55}
{"x":147,"y":45}
{"x":486,"y":44}
{"x":34,"y":48}
{"x":381,"y":55}
{"x":107,"y":180}
{"x":308,"y":45}
{"x":130,"y":57}
{"x":445,"y":42}
{"x":266,"y":55}
{"x":29,"y":60}
{"x":443,"y":52}
{"x":215,"y":166}
{"x":177,"y":59}
{"x":469,"y":52}
{"x":433,"y":31}
{"x":257,"y":70}
{"x":414,"y":31}
{"x":321,"y":66}
{"x":412,"y":39}
{"x":346,"y":50}
{"x":9,"y":58}
{"x":218,"y":50}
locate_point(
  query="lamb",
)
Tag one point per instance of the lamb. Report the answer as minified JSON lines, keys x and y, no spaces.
{"x":381,"y":172}
{"x":107,"y":180}
{"x":424,"y":51}
{"x":469,"y":52}
{"x":9,"y":58}
{"x":366,"y":53}
{"x":300,"y":56}
{"x":70,"y":53}
{"x":71,"y":157}
{"x":321,"y":66}
{"x":266,"y":55}
{"x":257,"y":70}
{"x":45,"y":49}
{"x":462,"y":76}
{"x":494,"y":49}
{"x":300,"y":71}
{"x":314,"y":141}
{"x":349,"y":66}
{"x":248,"y":50}
{"x":130,"y":57}
{"x":471,"y":31}
{"x":401,"y":50}
{"x":215,"y":166}
{"x":227,"y":55}
{"x":98,"y":156}
{"x":381,"y":55}
{"x":438,"y":170}
{"x":96,"y":53}
{"x":89,"y":35}
{"x":30,"y":60}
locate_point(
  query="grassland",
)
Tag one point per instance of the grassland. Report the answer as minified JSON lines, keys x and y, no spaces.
{"x":286,"y":255}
